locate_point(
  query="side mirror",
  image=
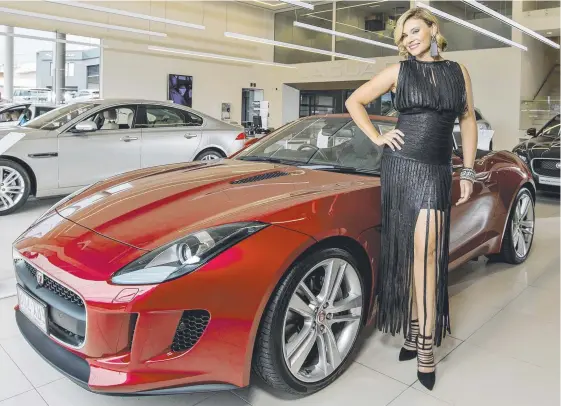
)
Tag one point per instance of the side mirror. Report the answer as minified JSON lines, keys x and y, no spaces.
{"x":531,"y":132}
{"x":85,"y":127}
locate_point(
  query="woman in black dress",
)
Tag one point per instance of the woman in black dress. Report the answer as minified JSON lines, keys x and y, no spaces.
{"x":416,"y":175}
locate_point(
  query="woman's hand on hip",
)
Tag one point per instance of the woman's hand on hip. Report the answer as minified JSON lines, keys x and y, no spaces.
{"x":466,"y":188}
{"x":392,"y":139}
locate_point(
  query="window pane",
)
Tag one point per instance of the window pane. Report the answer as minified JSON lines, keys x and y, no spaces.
{"x":286,"y":32}
{"x":374,"y":20}
{"x":165,"y":117}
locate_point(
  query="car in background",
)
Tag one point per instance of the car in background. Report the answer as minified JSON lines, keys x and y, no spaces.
{"x":185,"y":277}
{"x":10,"y":114}
{"x":86,"y":94}
{"x":33,"y":95}
{"x":84,"y":142}
{"x":541,"y":154}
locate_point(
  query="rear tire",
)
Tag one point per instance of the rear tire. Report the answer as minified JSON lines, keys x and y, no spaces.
{"x":519,"y":233}
{"x":286,"y":329}
{"x":15,"y":186}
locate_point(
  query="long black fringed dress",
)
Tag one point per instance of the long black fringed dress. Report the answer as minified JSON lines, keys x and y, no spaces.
{"x":429,"y":97}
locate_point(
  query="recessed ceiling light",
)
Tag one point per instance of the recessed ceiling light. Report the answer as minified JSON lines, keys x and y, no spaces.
{"x":197,"y":54}
{"x":512,"y":23}
{"x":297,"y":47}
{"x":471,"y":26}
{"x":81,"y":22}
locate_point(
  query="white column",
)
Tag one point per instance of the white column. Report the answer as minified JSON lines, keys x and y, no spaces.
{"x":60,"y":67}
{"x":8,"y":92}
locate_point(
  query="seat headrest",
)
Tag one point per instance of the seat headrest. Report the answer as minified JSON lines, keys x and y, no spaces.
{"x":110,"y":114}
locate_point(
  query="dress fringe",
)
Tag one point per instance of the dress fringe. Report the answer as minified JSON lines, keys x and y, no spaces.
{"x":408,"y":186}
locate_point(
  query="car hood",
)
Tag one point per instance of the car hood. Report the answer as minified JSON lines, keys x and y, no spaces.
{"x":150,"y":207}
{"x":541,"y":147}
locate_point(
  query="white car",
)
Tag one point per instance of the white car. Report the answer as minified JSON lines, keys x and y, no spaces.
{"x":484,"y":132}
{"x":10,"y":114}
{"x":87,"y":94}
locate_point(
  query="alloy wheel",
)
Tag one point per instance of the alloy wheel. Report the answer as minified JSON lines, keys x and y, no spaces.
{"x":322,"y":320}
{"x":12,"y":187}
{"x":210,"y":157}
{"x":522,"y":231}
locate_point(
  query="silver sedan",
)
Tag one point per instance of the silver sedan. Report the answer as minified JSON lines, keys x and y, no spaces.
{"x":84,"y":142}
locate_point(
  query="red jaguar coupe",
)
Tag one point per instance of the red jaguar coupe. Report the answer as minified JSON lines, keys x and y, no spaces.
{"x":184,"y":277}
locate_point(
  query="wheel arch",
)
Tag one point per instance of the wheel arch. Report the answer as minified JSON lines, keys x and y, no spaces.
{"x":211,"y":148}
{"x":27,"y":168}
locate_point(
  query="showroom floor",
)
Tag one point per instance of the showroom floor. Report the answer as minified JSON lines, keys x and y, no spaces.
{"x":504,"y":348}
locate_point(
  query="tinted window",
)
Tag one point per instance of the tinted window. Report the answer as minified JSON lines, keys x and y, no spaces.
{"x":43,"y":110}
{"x":552,"y":128}
{"x":159,"y":116}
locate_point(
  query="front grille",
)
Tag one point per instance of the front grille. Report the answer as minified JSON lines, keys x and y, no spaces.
{"x":259,"y":178}
{"x":547,"y":167}
{"x":65,"y":335}
{"x":191,"y":327}
{"x":57,"y":288}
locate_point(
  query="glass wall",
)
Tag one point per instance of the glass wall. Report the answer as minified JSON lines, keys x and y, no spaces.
{"x":531,"y":5}
{"x":34,"y":66}
{"x":285,"y":31}
{"x":376,"y":20}
{"x":318,"y":102}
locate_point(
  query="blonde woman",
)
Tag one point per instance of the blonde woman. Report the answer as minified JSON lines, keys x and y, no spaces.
{"x":429,"y":92}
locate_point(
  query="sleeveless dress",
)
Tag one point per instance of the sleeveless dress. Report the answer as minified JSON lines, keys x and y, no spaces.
{"x":429,"y":97}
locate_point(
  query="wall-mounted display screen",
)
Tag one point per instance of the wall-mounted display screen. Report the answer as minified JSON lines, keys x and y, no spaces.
{"x":180,"y":89}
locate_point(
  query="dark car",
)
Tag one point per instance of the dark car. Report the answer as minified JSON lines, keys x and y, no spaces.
{"x":541,"y":154}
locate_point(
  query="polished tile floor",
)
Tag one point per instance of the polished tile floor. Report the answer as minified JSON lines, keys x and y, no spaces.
{"x":504,"y":348}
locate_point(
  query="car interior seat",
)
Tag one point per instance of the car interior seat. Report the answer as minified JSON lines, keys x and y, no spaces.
{"x":110,"y":118}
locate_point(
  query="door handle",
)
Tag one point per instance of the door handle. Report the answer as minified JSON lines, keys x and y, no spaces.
{"x":189,"y":136}
{"x":129,"y":139}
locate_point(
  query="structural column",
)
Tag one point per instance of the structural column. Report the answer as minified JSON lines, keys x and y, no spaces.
{"x":60,"y":66}
{"x":8,"y":92}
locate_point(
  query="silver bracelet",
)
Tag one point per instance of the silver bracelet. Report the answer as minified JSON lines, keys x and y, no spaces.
{"x":468,"y":174}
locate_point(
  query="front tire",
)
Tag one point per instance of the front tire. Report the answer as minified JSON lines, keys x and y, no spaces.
{"x":519,"y":234}
{"x":209,"y":155}
{"x":15,"y":186}
{"x":312,"y":323}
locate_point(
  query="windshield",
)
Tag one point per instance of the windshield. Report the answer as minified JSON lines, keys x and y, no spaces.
{"x":552,"y":128}
{"x":58,"y":117}
{"x":328,"y":143}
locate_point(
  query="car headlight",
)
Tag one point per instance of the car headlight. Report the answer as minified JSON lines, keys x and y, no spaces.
{"x":60,"y":203}
{"x":185,"y":255}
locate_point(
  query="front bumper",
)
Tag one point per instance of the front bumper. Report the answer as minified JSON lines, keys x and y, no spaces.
{"x":127,"y":344}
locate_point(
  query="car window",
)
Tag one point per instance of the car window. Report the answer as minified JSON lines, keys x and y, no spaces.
{"x":43,"y":110}
{"x":114,"y":118}
{"x":11,"y":114}
{"x":160,"y":116}
{"x":552,"y":128}
{"x":59,"y":117}
{"x":478,"y":116}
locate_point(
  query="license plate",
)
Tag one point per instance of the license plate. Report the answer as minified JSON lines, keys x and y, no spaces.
{"x":33,"y":309}
{"x":546,"y":180}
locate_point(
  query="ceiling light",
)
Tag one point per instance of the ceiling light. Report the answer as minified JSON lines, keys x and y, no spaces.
{"x":126,"y":13}
{"x":298,"y":47}
{"x":81,"y":22}
{"x":549,"y":32}
{"x":217,"y":56}
{"x":344,"y":35}
{"x":471,"y":26}
{"x":52,"y":39}
{"x":512,"y":23}
{"x":299,"y":4}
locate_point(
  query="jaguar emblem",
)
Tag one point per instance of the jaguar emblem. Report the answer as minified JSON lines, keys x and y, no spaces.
{"x":40,"y":278}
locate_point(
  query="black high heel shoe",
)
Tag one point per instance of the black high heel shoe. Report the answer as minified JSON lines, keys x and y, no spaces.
{"x":409,"y":349}
{"x":425,"y":359}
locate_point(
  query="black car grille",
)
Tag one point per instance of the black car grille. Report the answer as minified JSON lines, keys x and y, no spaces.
{"x":259,"y":178}
{"x":547,"y":167}
{"x":191,"y":327}
{"x":57,"y":288}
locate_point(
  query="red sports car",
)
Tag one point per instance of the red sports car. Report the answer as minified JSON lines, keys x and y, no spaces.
{"x":185,"y":277}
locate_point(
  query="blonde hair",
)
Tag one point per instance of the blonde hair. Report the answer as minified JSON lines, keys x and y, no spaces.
{"x":420,"y":14}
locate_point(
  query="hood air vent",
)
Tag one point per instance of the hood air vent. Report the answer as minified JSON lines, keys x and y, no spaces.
{"x":258,"y":178}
